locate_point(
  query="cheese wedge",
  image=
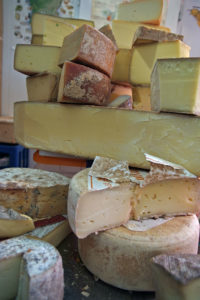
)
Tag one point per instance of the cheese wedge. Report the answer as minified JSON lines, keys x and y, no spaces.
{"x":145,"y":11}
{"x":144,"y":57}
{"x":123,"y":101}
{"x":30,"y":269}
{"x":107,"y":30}
{"x":175,"y":86}
{"x":89,"y":46}
{"x":176,"y":276}
{"x":38,"y":22}
{"x":112,"y":255}
{"x":34,"y":59}
{"x":109,"y":132}
{"x":121,"y":67}
{"x":42,"y":87}
{"x":141,"y":98}
{"x":81,"y":84}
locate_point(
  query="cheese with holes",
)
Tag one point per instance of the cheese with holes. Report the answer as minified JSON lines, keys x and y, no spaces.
{"x":33,"y":192}
{"x":176,"y":276}
{"x":121,"y":67}
{"x":42,"y":87}
{"x":124,"y":32}
{"x":144,"y":57}
{"x":175,"y":85}
{"x":30,"y":269}
{"x":38,"y":22}
{"x":81,"y":84}
{"x":128,"y":135}
{"x":13,"y":224}
{"x":141,"y":98}
{"x":89,"y":46}
{"x":112,"y":255}
{"x":34,"y":59}
{"x":145,"y":11}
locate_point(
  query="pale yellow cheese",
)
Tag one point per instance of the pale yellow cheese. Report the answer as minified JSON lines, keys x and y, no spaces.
{"x":144,"y":57}
{"x":109,"y":132}
{"x":124,"y":32}
{"x":141,"y":98}
{"x":38,"y":22}
{"x":121,"y":66}
{"x":175,"y":86}
{"x":34,"y":59}
{"x":37,"y":39}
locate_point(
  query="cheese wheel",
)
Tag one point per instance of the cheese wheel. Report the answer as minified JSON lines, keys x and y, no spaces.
{"x":121,"y":257}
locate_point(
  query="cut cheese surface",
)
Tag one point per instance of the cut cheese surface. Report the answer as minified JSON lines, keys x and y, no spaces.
{"x":107,"y":30}
{"x":141,"y":98}
{"x":144,"y":57}
{"x":121,"y":66}
{"x":112,"y":255}
{"x":175,"y":85}
{"x":30,"y":269}
{"x":109,"y":132}
{"x":34,"y":59}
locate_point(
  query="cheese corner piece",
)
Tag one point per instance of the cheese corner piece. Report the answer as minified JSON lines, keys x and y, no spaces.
{"x":34,"y":59}
{"x":144,"y":57}
{"x":42,"y":87}
{"x":123,"y":101}
{"x":30,"y":269}
{"x":176,"y":276}
{"x":175,"y":85}
{"x":112,"y":255}
{"x":141,"y":98}
{"x":120,"y":90}
{"x":121,"y":66}
{"x":81,"y":84}
{"x":168,"y":197}
{"x":107,"y":30}
{"x":144,"y":11}
{"x":34,"y":192}
{"x":13,"y":224}
{"x":89,"y":46}
{"x":93,"y":211}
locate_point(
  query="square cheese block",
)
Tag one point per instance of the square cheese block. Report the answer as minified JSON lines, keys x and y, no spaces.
{"x":145,"y":11}
{"x":144,"y":57}
{"x":121,"y":67}
{"x":176,"y":276}
{"x":81,"y":84}
{"x":141,"y":98}
{"x":42,"y":87}
{"x":124,"y":32}
{"x":38,"y":22}
{"x":89,"y":46}
{"x":34,"y":59}
{"x":175,"y":86}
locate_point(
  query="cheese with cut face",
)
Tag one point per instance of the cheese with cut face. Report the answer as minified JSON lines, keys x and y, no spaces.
{"x":33,"y":192}
{"x":176,"y":276}
{"x":121,"y":66}
{"x":144,"y":57}
{"x":89,"y":46}
{"x":175,"y":85}
{"x":13,"y":224}
{"x":30,"y":269}
{"x":141,"y":98}
{"x":107,"y":30}
{"x":81,"y":84}
{"x":42,"y":87}
{"x":34,"y":59}
{"x":112,"y":255}
{"x":123,"y":101}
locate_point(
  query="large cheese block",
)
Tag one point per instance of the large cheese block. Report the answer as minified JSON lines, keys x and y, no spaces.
{"x":121,"y":257}
{"x":124,"y":32}
{"x":144,"y":57}
{"x":175,"y":85}
{"x":42,"y":87}
{"x":38,"y":22}
{"x":13,"y":224}
{"x":33,"y":192}
{"x":89,"y":46}
{"x":145,"y":11}
{"x":109,"y":132}
{"x":81,"y":84}
{"x":141,"y":98}
{"x":30,"y":269}
{"x":121,"y":67}
{"x":34,"y":59}
{"x":176,"y":276}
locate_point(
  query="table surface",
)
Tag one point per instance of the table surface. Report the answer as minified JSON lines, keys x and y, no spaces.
{"x":80,"y":284}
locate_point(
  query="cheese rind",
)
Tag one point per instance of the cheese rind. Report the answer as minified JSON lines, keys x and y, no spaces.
{"x":107,"y":30}
{"x":175,"y":85}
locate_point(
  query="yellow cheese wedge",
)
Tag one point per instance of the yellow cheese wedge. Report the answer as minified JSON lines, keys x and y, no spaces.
{"x":38,"y":22}
{"x":175,"y":85}
{"x":124,"y":32}
{"x":144,"y":57}
{"x":141,"y":98}
{"x":34,"y":59}
{"x":121,"y":66}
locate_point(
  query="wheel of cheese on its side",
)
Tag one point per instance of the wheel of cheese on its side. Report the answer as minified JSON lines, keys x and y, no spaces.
{"x":30,"y":269}
{"x":36,"y":193}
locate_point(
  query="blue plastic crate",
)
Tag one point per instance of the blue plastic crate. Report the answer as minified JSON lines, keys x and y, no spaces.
{"x":17,"y":155}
